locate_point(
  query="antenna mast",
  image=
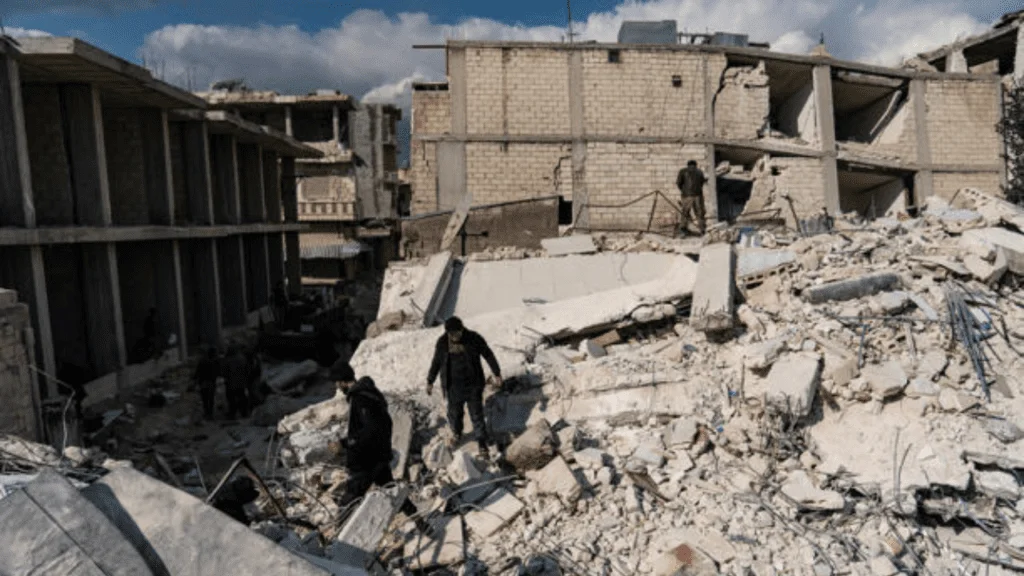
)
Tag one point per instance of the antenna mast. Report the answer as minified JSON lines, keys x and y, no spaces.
{"x":568,"y":7}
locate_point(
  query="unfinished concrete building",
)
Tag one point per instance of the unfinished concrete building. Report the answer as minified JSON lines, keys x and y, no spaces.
{"x":121,"y":196}
{"x":608,"y":126}
{"x":999,"y":51}
{"x":349,"y":197}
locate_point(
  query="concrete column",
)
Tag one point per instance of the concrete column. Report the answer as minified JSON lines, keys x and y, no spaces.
{"x":711,"y":189}
{"x":101,"y":291}
{"x":293,"y":264}
{"x":83,"y":125}
{"x":180,"y":298}
{"x":336,"y":122}
{"x":822,"y":76}
{"x":170,"y":310}
{"x":16,"y":201}
{"x":196,"y":157}
{"x":272,"y":186}
{"x":156,"y":151}
{"x":956,"y":62}
{"x":261,"y":185}
{"x":275,"y":251}
{"x":454,"y":174}
{"x":580,"y":197}
{"x":288,"y":121}
{"x":230,"y":255}
{"x":384,"y":201}
{"x":207,"y":277}
{"x":1018,"y":60}
{"x":289,"y":192}
{"x":923,"y":179}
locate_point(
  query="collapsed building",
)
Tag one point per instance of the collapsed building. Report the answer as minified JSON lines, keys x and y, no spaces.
{"x":350,"y":196}
{"x":126,"y":204}
{"x":606,"y":127}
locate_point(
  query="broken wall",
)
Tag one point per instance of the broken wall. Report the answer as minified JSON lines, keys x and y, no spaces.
{"x":636,"y":96}
{"x":323,"y":182}
{"x":17,"y":394}
{"x":513,"y":91}
{"x":742,"y":104}
{"x":962,"y":115}
{"x":498,"y":172}
{"x":423,"y":176}
{"x":885,"y":129}
{"x":798,"y":116}
{"x":803,"y":179}
{"x":519,"y":224}
{"x":619,"y":173}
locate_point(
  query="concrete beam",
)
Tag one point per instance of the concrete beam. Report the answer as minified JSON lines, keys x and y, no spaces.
{"x":16,"y":201}
{"x":10,"y":236}
{"x":275,"y":252}
{"x":335,"y":122}
{"x":713,"y":295}
{"x":710,"y":188}
{"x":261,"y":185}
{"x":293,"y":264}
{"x":288,"y":121}
{"x":924,"y":182}
{"x":156,"y":150}
{"x":168,"y":292}
{"x":822,"y":76}
{"x":83,"y":125}
{"x":1018,"y":57}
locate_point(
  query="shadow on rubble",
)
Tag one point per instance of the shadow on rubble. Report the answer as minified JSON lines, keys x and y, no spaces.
{"x":510,"y":408}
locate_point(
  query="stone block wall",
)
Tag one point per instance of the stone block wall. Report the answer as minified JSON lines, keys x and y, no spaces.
{"x":617,"y":174}
{"x":17,"y":399}
{"x":947,"y":184}
{"x":498,"y":172}
{"x":432,"y":112}
{"x":962,"y":116}
{"x":896,"y":141}
{"x":517,"y":91}
{"x":743,"y":102}
{"x":423,"y":176}
{"x":122,"y":135}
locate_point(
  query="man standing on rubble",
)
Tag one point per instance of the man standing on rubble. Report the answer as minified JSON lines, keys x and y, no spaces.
{"x":457,"y":358}
{"x":236,"y":379}
{"x":368,"y":442}
{"x":691,"y":186}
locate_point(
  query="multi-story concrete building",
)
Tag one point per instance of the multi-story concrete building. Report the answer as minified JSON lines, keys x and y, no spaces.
{"x":608,"y":126}
{"x":121,"y":197}
{"x":349,"y":197}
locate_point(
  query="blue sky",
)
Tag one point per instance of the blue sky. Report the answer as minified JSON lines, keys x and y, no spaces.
{"x":364,"y":47}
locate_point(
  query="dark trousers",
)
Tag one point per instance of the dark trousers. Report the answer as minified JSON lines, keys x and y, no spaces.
{"x":458,"y":400}
{"x":207,"y":393}
{"x":238,"y":402}
{"x":694,"y":204}
{"x":361,"y":478}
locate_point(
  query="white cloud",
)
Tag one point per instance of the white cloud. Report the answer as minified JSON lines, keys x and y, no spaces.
{"x":16,"y":32}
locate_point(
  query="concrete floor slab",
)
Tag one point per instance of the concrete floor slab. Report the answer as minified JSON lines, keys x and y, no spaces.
{"x":1011,"y":243}
{"x":565,"y":245}
{"x":713,"y":296}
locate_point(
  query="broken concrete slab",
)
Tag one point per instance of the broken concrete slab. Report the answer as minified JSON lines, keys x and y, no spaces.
{"x":997,"y":484}
{"x":533,"y":449}
{"x":985,"y":271}
{"x":885,"y":380}
{"x":401,"y":440}
{"x":852,"y":288}
{"x":575,"y":244}
{"x":430,"y":294}
{"x":713,"y":308}
{"x":558,"y":480}
{"x":761,"y":355}
{"x":50,"y":528}
{"x":442,"y":550}
{"x":288,"y":376}
{"x":357,"y":542}
{"x":494,"y":513}
{"x":191,"y":538}
{"x":590,"y":458}
{"x":681,"y":432}
{"x":755,"y":261}
{"x":802,"y":490}
{"x":894,"y":302}
{"x":793,"y":383}
{"x":1012,"y":244}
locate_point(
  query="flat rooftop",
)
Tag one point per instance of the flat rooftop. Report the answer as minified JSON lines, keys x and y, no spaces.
{"x":222,"y":122}
{"x":256,"y":99}
{"x":70,"y":60}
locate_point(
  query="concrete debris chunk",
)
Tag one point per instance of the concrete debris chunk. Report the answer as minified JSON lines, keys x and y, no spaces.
{"x":885,"y":380}
{"x":681,"y":432}
{"x":851,"y":289}
{"x":590,"y":458}
{"x":894,"y":302}
{"x":684,"y":560}
{"x":650,"y":453}
{"x":290,"y":375}
{"x":494,"y":513}
{"x":762,"y":355}
{"x":357,"y":542}
{"x":997,"y":484}
{"x":533,"y":449}
{"x":557,"y":479}
{"x":987,"y":272}
{"x":1003,"y":430}
{"x":802,"y":490}
{"x":443,"y":549}
{"x":713,"y":308}
{"x":1011,"y":243}
{"x":922,"y":388}
{"x":793,"y":383}
{"x":575,"y":244}
{"x":932,"y":365}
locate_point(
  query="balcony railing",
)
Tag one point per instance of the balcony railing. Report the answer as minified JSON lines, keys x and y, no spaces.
{"x":327,"y":210}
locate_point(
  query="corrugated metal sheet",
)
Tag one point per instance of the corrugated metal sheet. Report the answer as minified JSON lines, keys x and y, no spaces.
{"x":329,"y":247}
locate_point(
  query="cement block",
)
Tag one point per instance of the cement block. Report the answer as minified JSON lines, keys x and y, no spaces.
{"x":762,"y":355}
{"x":754,"y":261}
{"x":802,"y":490}
{"x":793,"y":382}
{"x":886,"y":380}
{"x":494,"y":513}
{"x":357,"y":542}
{"x":443,"y":550}
{"x":853,"y":288}
{"x":713,"y":306}
{"x":576,"y":244}
{"x":557,"y":479}
{"x":1011,"y":243}
{"x":533,"y":449}
{"x":997,"y":484}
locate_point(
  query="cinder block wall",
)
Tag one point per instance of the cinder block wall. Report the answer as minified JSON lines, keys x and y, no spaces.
{"x":506,"y":172}
{"x":522,"y":225}
{"x":431,"y":115}
{"x":959,"y":113}
{"x":17,"y":405}
{"x":515,"y":91}
{"x":947,"y":184}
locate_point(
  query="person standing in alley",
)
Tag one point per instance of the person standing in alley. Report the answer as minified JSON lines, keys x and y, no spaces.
{"x":205,"y":378}
{"x":236,"y":379}
{"x":457,"y":359}
{"x":691,"y":187}
{"x":368,"y":440}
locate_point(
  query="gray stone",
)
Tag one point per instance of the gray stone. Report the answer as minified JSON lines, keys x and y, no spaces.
{"x":650,"y":453}
{"x":590,"y":458}
{"x":533,"y":449}
{"x":311,"y":446}
{"x":922,"y":388}
{"x":681,"y":432}
{"x":894,"y":302}
{"x":932,"y":364}
{"x":793,"y":383}
{"x":885,"y":380}
{"x":567,"y":439}
{"x":802,"y":490}
{"x":1003,"y":430}
{"x":357,"y":542}
{"x":762,"y":355}
{"x":557,"y":479}
{"x":491,"y":515}
{"x":997,"y":484}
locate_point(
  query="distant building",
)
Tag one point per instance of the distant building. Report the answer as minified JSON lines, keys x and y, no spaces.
{"x":349,"y":197}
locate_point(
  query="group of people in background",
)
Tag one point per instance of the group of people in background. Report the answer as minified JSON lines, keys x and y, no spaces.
{"x":242,"y":371}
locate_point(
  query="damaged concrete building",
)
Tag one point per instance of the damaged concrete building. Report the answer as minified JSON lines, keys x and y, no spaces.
{"x":607,"y":127}
{"x":349,"y":197}
{"x":999,"y":51}
{"x":125,"y":204}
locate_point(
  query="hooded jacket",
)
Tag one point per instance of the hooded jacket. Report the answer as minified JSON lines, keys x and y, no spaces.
{"x":476,"y":350}
{"x":369,"y":425}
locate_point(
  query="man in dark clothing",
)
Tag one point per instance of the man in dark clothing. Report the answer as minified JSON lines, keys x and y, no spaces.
{"x":457,"y":358}
{"x":236,"y":379}
{"x":691,"y":186}
{"x":368,"y":443}
{"x":255,"y":378}
{"x":206,"y":380}
{"x":232,"y":498}
{"x":280,"y":304}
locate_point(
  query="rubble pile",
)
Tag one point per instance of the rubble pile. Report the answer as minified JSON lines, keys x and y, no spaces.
{"x":859,"y":416}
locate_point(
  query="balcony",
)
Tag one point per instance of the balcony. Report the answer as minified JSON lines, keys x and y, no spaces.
{"x":329,"y":210}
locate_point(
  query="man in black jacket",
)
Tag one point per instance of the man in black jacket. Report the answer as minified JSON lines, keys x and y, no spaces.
{"x":207,"y":371}
{"x":236,"y":378}
{"x":457,"y":358}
